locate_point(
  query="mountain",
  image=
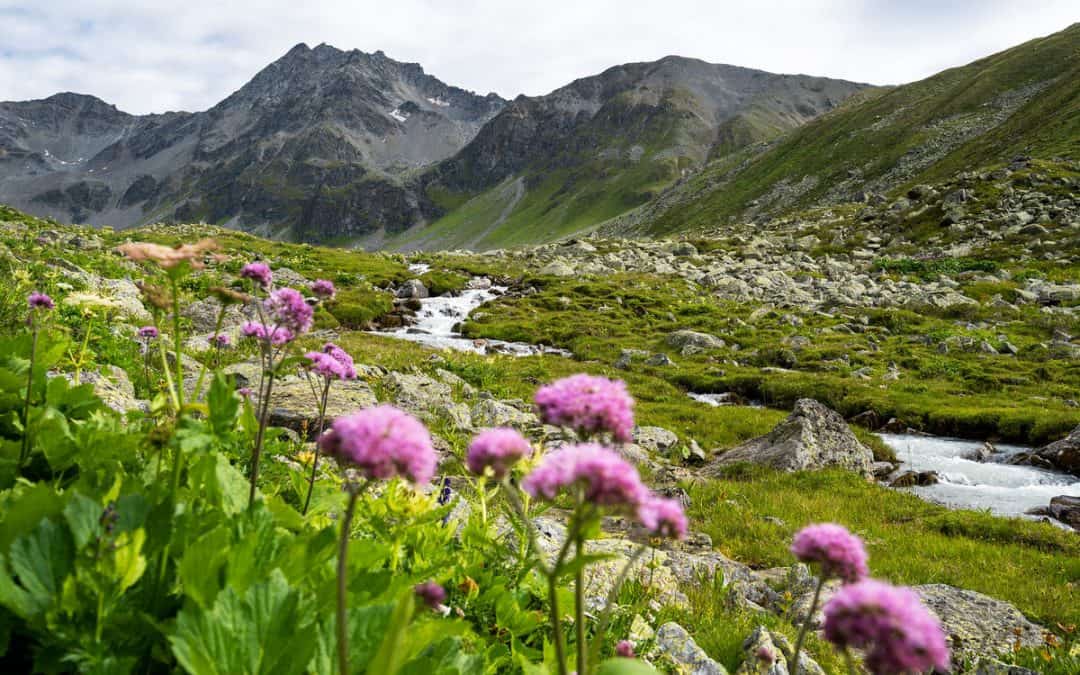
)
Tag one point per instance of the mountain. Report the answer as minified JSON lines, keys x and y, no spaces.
{"x":333,"y":146}
{"x":552,"y":165}
{"x":1022,"y":101}
{"x":316,"y":145}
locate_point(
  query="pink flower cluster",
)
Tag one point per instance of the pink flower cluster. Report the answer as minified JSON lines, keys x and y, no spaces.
{"x":588,"y":404}
{"x":323,"y":289}
{"x":332,"y":363}
{"x":663,"y":517}
{"x":221,"y":340}
{"x":259,"y":273}
{"x":840,"y":553}
{"x":497,"y":449}
{"x":606,"y":478}
{"x":898,"y":633}
{"x":382,"y":442}
{"x":278,"y":336}
{"x":38,"y":300}
{"x":431,"y":594}
{"x":288,"y":309}
{"x":148,"y":332}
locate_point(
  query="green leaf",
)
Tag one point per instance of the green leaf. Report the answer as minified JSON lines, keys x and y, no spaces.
{"x":391,"y":655}
{"x":620,"y":666}
{"x":41,"y":560}
{"x":83,"y":516}
{"x":23,"y":508}
{"x":127,"y":560}
{"x":220,"y":483}
{"x":266,"y":631}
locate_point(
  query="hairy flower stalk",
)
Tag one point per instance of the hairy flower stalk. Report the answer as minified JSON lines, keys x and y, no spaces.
{"x":378,"y":443}
{"x":38,"y":303}
{"x":838,"y":554}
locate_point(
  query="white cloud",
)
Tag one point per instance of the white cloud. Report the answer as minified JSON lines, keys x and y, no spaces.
{"x":155,"y":56}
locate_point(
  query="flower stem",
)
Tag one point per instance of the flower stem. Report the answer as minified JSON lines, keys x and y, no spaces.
{"x":579,"y":595}
{"x":24,"y":452}
{"x":342,"y":582}
{"x":850,"y":661}
{"x":315,"y":462}
{"x":553,"y":603}
{"x":178,"y":342}
{"x":264,"y":414}
{"x":805,"y":628}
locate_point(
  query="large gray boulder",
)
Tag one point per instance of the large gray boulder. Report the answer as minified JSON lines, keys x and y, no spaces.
{"x":673,"y":642}
{"x":977,"y":625}
{"x":689,"y":341}
{"x":1062,"y":455}
{"x":293,"y":405}
{"x":812,"y":437}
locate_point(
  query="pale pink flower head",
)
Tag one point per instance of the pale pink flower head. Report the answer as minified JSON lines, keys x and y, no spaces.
{"x":323,"y":289}
{"x":221,"y":340}
{"x":497,"y":449}
{"x":663,"y":517}
{"x":898,"y":633}
{"x":348,"y":368}
{"x":380,"y":443}
{"x":259,"y":273}
{"x":253,"y":330}
{"x":431,"y":594}
{"x":588,"y":404}
{"x":624,"y":649}
{"x":840,"y":553}
{"x":278,"y":336}
{"x":288,"y":309}
{"x":37,"y":300}
{"x":325,"y":366}
{"x":606,"y":478}
{"x":168,"y":257}
{"x":148,"y":332}
{"x":245,"y":392}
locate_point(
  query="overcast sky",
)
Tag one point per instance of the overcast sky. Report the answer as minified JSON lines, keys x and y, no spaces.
{"x":154,"y":56}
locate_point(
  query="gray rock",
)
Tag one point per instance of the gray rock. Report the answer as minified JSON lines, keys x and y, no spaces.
{"x":493,"y":413}
{"x":417,"y":394}
{"x":977,"y":625}
{"x":655,"y":439}
{"x":113,"y":386}
{"x":627,"y":356}
{"x":675,"y":643}
{"x":558,"y":268}
{"x":769,"y":653}
{"x":659,"y":359}
{"x":1066,"y":509}
{"x":683,"y":339}
{"x":413,"y":289}
{"x":914,"y":479}
{"x":293,"y":405}
{"x":812,"y":437}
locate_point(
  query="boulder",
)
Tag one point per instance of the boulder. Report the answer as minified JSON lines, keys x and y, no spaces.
{"x":412,"y":289}
{"x":1064,"y":455}
{"x":1066,"y":509}
{"x":689,"y":341}
{"x":293,"y":405}
{"x":655,"y":439}
{"x":558,"y":268}
{"x":113,"y":386}
{"x":977,"y":625}
{"x":416,"y":394}
{"x":673,"y":642}
{"x":914,"y":479}
{"x":812,"y":437}
{"x":493,"y":413}
{"x":769,"y":653}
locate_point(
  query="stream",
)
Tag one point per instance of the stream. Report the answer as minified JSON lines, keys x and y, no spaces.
{"x":437,"y":318}
{"x":1004,"y":489}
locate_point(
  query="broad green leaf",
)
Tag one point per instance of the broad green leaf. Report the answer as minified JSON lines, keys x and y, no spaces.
{"x":200,"y":568}
{"x":267,"y":631}
{"x":23,"y":508}
{"x":128,"y":561}
{"x":444,"y":657}
{"x":220,"y":482}
{"x":41,"y":560}
{"x":83,"y":516}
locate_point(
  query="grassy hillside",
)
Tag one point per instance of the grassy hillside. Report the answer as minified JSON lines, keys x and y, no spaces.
{"x":1025,"y":100}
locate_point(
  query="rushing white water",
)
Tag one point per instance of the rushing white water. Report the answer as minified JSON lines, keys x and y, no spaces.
{"x":1004,"y":489}
{"x":718,"y":400}
{"x":437,"y":317}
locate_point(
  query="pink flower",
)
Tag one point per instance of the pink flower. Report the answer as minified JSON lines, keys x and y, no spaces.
{"x":278,"y":336}
{"x":624,"y":649}
{"x":222,"y":341}
{"x":38,"y":300}
{"x":244,"y":392}
{"x":348,"y":369}
{"x":148,"y":332}
{"x":432,"y":594}
{"x":382,"y":442}
{"x":663,"y":517}
{"x":288,"y":309}
{"x":765,"y":655}
{"x":588,"y":404}
{"x":898,"y":633}
{"x":259,"y":273}
{"x":607,"y":479}
{"x":840,"y":553}
{"x":498,"y":449}
{"x":326,"y":366}
{"x":323,"y":289}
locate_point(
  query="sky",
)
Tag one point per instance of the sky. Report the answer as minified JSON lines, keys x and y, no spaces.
{"x":153,"y":56}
